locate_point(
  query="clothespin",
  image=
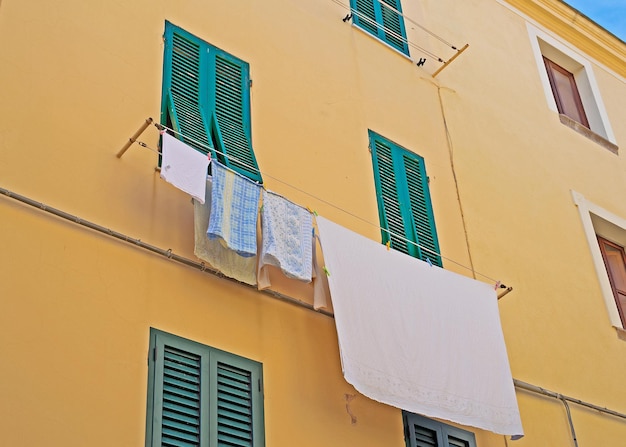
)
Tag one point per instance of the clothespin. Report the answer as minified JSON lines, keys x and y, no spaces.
{"x":429,"y":263}
{"x":498,"y":283}
{"x":326,"y":271}
{"x":208,"y":155}
{"x":311,"y":211}
{"x":388,"y":244}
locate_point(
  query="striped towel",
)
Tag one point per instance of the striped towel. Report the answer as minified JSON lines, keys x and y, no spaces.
{"x":234,"y":210}
{"x":212,"y":251}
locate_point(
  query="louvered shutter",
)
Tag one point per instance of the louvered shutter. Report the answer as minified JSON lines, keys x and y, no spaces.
{"x":206,"y":97}
{"x":456,"y":442}
{"x":185,"y":88}
{"x":364,"y":15}
{"x":421,"y":208}
{"x":393,"y":23}
{"x":181,"y":398}
{"x":379,"y":17}
{"x":177,"y":394}
{"x":201,"y":396}
{"x":421,"y":431}
{"x":238,"y":400}
{"x":388,"y":197}
{"x":404,"y":200}
{"x":425,"y":437}
{"x":232,"y":114}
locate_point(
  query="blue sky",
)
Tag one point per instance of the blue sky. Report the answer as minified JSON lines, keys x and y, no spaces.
{"x":611,"y":14}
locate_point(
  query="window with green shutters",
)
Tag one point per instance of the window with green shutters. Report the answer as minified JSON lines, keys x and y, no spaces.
{"x":201,"y":396}
{"x":381,"y":18}
{"x":420,"y":431}
{"x":206,"y":97}
{"x":405,"y":209}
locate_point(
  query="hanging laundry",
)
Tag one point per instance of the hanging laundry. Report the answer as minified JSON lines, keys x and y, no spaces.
{"x":234,"y":210}
{"x":213,"y":251}
{"x":418,"y":337}
{"x":287,"y":239}
{"x":184,"y":167}
{"x":320,"y":281}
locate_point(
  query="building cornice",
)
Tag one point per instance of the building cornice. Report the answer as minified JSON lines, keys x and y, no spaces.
{"x":577,"y":29}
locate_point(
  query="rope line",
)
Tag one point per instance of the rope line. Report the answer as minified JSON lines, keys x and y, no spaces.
{"x":162,"y":127}
{"x":396,"y":35}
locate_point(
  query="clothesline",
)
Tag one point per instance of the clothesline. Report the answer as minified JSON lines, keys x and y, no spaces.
{"x":391,"y":32}
{"x":208,"y":148}
{"x":396,"y":35}
{"x":441,"y":39}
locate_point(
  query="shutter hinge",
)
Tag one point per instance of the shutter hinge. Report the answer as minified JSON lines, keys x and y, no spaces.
{"x":260,"y":386}
{"x":154,"y":354}
{"x":250,"y":81}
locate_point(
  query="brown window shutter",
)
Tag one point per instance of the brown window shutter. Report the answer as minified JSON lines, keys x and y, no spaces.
{"x":615,"y":263}
{"x":565,"y":92}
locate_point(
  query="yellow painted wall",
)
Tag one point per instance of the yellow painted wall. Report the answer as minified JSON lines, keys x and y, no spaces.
{"x":78,"y":78}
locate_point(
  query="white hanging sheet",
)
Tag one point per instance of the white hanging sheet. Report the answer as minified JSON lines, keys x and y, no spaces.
{"x":416,"y":336}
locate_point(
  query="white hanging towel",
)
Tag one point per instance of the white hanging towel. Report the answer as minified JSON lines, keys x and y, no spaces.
{"x":416,"y":336}
{"x":287,"y":239}
{"x":184,"y":167}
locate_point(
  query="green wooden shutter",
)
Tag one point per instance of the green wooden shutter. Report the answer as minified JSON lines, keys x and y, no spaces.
{"x":177,"y":392}
{"x":388,"y":198}
{"x":232,"y":114}
{"x":394,"y":33}
{"x":181,"y":398}
{"x":404,"y":204}
{"x":184,"y":104}
{"x":421,"y":208}
{"x":206,"y":97}
{"x":201,"y":396}
{"x":425,"y":437}
{"x":421,"y":431}
{"x":234,"y":405}
{"x":456,"y":442}
{"x":383,"y":22}
{"x":364,"y":15}
{"x":237,"y":401}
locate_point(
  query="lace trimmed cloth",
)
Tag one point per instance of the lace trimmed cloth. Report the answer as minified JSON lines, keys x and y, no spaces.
{"x":416,"y":336}
{"x":287,"y":239}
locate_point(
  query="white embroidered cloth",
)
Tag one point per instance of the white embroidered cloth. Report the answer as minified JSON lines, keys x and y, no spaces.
{"x":184,"y":167}
{"x":416,"y":336}
{"x":287,"y":239}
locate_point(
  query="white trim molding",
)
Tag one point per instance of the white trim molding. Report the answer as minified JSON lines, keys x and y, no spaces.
{"x":544,"y":44}
{"x":599,"y":222}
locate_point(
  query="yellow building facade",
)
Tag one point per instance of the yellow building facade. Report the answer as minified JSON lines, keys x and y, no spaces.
{"x":98,"y":265}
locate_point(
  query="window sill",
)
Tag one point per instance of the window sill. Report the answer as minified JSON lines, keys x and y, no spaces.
{"x":588,"y":133}
{"x":621,"y":333}
{"x":388,"y":45}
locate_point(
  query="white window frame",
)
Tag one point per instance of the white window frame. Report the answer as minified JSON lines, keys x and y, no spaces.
{"x":544,"y":44}
{"x":598,"y":221}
